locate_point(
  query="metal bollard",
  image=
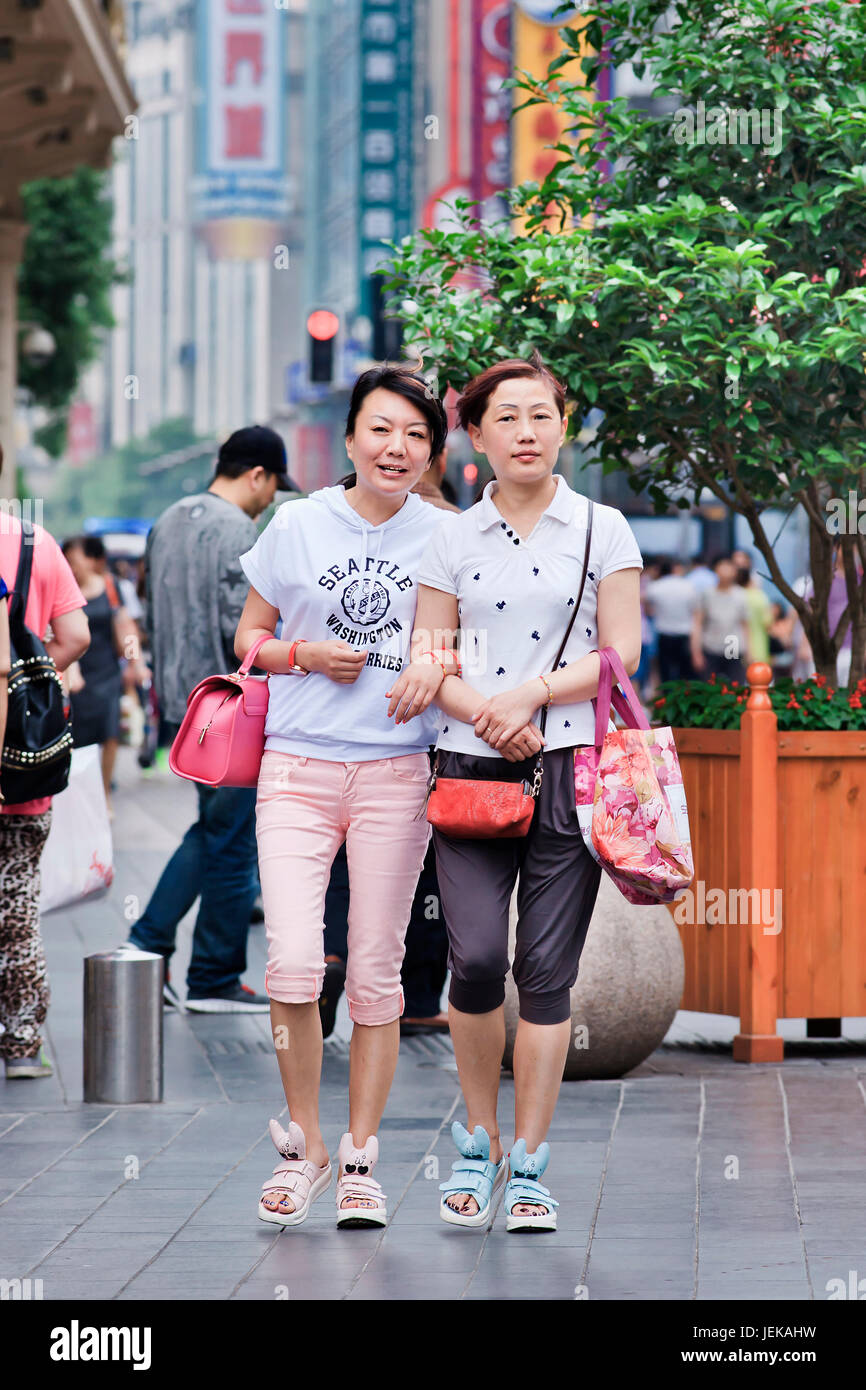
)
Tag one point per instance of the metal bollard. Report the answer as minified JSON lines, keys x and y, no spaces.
{"x":123,"y":1027}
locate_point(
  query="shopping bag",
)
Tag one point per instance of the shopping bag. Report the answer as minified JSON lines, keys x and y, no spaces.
{"x":630,"y":798}
{"x":77,"y":861}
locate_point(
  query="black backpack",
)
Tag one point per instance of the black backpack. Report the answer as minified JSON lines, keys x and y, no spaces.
{"x":37,"y":751}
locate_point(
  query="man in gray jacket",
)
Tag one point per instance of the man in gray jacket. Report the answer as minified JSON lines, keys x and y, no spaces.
{"x":196,"y":591}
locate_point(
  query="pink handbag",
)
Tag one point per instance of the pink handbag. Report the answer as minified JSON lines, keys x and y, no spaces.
{"x":630,"y":798}
{"x":222,"y":737}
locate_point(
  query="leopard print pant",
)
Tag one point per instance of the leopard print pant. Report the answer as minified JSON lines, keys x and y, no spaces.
{"x":24,"y":992}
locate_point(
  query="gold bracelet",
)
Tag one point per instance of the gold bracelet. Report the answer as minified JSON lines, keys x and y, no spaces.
{"x":548,"y":689}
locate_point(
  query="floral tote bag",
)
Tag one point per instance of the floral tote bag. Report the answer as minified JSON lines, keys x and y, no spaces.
{"x":630,"y":798}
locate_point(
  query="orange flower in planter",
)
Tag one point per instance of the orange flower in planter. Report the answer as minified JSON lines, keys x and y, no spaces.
{"x":793,"y":703}
{"x":855,"y":702}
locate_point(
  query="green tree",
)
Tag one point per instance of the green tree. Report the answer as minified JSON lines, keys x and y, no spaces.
{"x":697,"y":275}
{"x":65,"y":285}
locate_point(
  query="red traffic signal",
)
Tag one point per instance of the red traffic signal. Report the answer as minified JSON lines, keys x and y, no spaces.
{"x":322,"y":325}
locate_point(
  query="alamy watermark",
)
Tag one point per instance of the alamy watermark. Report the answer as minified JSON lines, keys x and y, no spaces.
{"x":729,"y":125}
{"x":714,"y":907}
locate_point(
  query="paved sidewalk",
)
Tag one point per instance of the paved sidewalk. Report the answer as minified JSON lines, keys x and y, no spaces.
{"x":692,"y":1178}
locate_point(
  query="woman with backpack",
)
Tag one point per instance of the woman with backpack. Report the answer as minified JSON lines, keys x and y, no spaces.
{"x":4,"y":663}
{"x":538,"y":578}
{"x":338,"y":570}
{"x":52,"y":599}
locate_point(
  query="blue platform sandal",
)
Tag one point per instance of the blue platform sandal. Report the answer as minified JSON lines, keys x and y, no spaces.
{"x":524,"y":1189}
{"x":472,"y":1173}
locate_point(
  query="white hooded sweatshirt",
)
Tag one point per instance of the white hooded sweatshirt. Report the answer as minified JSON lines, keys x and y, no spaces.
{"x":333,"y":575}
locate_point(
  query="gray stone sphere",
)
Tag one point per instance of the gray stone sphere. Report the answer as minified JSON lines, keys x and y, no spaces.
{"x":628,"y":988}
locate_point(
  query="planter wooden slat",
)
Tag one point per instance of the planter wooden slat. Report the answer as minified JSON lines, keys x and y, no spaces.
{"x":816,"y":966}
{"x":853,"y":893}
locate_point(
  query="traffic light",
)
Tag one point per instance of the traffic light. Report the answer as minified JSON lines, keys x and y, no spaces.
{"x":322,"y":327}
{"x":387,"y":332}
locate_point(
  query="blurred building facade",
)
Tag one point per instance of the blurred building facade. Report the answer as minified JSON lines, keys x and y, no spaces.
{"x":63,"y":98}
{"x":206,"y":203}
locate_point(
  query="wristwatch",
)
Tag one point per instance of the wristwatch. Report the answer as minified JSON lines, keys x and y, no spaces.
{"x":294,"y":668}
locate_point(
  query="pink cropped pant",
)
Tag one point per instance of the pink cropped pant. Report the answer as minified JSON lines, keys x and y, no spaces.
{"x":305,"y":809}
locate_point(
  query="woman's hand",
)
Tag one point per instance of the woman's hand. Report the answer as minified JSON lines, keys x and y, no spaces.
{"x":334,"y":659}
{"x":503,"y":716}
{"x":74,"y":680}
{"x":525,"y":744}
{"x":414,"y":689}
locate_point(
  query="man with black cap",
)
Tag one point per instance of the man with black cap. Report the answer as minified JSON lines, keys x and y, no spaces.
{"x":196,"y":592}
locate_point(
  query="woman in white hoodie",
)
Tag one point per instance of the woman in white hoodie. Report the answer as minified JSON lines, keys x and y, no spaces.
{"x":338,"y":569}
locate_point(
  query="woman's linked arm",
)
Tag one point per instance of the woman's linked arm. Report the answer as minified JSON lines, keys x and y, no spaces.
{"x":424,"y":680}
{"x":618,"y":624}
{"x":334,"y":659}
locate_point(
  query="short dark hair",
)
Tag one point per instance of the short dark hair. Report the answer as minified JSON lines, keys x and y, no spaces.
{"x":74,"y":543}
{"x":665,"y":566}
{"x":406,"y":381}
{"x":94,"y":547}
{"x":719,"y":558}
{"x":253,"y":446}
{"x":477,"y":393}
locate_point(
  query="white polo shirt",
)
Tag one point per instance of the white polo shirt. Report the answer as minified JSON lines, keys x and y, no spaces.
{"x":515,"y":597}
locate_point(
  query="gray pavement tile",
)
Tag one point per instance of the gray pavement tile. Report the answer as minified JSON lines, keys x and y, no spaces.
{"x":204,"y":1186}
{"x":753,"y":1293}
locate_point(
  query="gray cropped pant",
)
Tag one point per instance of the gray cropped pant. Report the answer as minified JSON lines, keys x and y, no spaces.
{"x":558,"y":885}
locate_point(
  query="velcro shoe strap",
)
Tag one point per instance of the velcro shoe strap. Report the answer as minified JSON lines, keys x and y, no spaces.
{"x":476,"y":1165}
{"x":355,"y":1185}
{"x":294,"y":1175}
{"x":523,"y":1191}
{"x":469,"y":1182}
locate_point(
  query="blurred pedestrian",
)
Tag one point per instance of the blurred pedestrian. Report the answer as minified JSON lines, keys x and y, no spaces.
{"x":671,"y":601}
{"x":760,"y":614}
{"x":339,"y":569}
{"x":701,"y":575}
{"x":95,"y":697}
{"x":54,"y":601}
{"x":781,"y":635}
{"x":720,"y":635}
{"x":434,"y":487}
{"x":195,"y":595}
{"x":648,"y":635}
{"x":743,"y":561}
{"x":837,"y":602}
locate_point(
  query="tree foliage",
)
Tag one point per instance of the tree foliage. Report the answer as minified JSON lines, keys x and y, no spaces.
{"x":65,"y":285}
{"x":698,"y":275}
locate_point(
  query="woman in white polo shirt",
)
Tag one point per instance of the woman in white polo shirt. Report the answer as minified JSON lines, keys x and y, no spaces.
{"x":507,"y":572}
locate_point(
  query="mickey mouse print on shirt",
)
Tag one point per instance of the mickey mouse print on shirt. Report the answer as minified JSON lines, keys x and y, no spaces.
{"x":525,"y":597}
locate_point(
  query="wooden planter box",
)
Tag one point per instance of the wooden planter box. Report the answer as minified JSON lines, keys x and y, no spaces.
{"x":771,"y":811}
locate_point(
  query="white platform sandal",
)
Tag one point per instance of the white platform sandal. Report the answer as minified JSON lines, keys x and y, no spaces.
{"x":296,"y":1175}
{"x":355,"y":1166}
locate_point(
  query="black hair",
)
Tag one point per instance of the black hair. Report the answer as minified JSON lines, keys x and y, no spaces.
{"x":665,"y":566}
{"x":94,"y":547}
{"x":404,"y":381}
